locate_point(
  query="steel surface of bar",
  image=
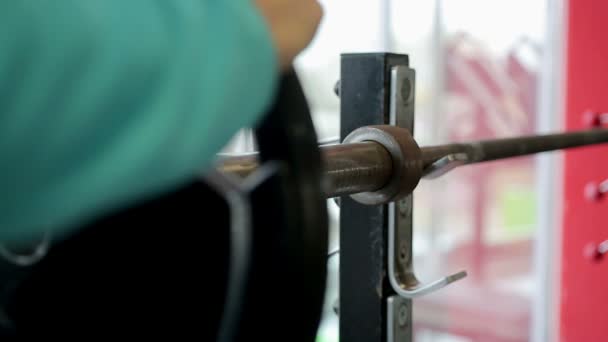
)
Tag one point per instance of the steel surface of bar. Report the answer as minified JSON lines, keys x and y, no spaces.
{"x":489,"y":150}
{"x":356,"y":168}
{"x":366,"y":166}
{"x":348,"y":168}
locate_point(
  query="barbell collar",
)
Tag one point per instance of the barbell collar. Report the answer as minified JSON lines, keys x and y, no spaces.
{"x":405,"y":157}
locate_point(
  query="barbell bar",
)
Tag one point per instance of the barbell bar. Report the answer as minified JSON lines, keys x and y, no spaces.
{"x":367,"y":165}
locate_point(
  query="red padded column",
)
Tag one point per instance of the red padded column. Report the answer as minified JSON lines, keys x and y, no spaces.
{"x":584,"y":280}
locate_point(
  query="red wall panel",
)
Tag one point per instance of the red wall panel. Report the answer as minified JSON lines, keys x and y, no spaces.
{"x":584,"y":285}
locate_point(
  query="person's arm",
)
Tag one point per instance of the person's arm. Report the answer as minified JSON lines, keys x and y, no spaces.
{"x":104,"y":103}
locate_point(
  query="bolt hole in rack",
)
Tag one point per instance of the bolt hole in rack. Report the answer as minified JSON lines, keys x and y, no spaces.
{"x":373,"y":172}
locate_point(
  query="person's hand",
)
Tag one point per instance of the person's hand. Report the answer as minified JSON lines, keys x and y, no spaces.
{"x":293,"y":24}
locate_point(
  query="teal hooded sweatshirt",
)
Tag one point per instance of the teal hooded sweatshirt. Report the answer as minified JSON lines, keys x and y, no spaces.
{"x":104,"y":103}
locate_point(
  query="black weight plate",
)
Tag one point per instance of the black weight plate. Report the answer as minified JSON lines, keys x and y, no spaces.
{"x":294,"y":208}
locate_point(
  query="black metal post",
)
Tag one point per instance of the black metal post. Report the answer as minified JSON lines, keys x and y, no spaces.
{"x":364,"y":287}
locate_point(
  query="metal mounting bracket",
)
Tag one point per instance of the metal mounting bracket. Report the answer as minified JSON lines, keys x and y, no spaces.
{"x":400,"y":214}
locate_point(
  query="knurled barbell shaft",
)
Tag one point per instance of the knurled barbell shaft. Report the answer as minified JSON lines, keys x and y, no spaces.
{"x":348,"y":168}
{"x":367,"y":166}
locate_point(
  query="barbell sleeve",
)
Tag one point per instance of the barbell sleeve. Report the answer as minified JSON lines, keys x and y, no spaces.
{"x":348,"y":168}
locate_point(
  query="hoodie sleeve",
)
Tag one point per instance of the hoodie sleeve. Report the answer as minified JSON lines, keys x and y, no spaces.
{"x":104,"y":103}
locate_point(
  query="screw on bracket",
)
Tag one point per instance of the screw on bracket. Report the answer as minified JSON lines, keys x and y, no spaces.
{"x":337,"y":88}
{"x":402,"y":315}
{"x":336,"y":307}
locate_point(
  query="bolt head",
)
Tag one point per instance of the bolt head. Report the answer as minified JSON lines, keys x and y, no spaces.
{"x":336,"y":307}
{"x":406,"y":90}
{"x":403,"y":207}
{"x":403,"y":253}
{"x":402,"y":315}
